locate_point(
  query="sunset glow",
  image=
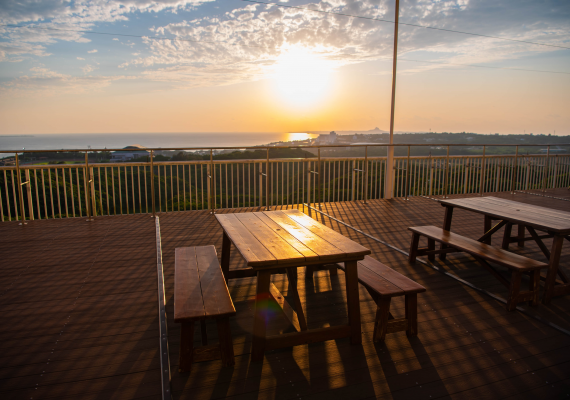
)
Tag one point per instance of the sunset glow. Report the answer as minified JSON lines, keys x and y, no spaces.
{"x":302,"y":77}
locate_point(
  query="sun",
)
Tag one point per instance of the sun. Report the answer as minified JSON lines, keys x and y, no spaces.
{"x":302,"y":77}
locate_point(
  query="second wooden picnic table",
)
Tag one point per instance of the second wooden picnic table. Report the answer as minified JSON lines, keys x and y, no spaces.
{"x":272,"y":240}
{"x":555,"y":223}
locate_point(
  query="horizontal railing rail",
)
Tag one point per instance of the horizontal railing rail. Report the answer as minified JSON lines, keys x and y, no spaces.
{"x":89,"y":189}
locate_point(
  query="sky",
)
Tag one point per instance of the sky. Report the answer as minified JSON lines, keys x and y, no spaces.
{"x":243,"y":66}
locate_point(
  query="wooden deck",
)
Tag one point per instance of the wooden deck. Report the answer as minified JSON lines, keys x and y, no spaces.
{"x":80,"y":318}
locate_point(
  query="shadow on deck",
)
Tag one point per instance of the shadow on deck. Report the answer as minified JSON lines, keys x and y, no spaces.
{"x":80,"y":316}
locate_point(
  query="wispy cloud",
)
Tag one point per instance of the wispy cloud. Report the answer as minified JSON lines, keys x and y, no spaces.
{"x":92,"y":51}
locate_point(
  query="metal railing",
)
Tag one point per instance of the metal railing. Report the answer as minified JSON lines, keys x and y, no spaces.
{"x":29,"y":192}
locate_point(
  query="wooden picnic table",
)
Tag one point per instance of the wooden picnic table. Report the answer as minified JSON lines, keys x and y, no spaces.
{"x":555,"y":223}
{"x":273,"y":240}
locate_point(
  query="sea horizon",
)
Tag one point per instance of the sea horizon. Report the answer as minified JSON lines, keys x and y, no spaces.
{"x":68,"y":141}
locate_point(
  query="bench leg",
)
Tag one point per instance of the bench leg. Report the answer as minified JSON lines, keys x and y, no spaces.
{"x":381,"y":323}
{"x":514,"y":290}
{"x":412,"y":314}
{"x":226,"y":345}
{"x":186,"y":347}
{"x":431,"y":246}
{"x":414,"y":247}
{"x":204,"y":332}
{"x":507,"y":236}
{"x":534,"y":284}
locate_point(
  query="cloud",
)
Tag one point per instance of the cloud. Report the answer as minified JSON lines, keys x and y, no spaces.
{"x":88,"y":68}
{"x":45,"y":82}
{"x":80,"y":58}
{"x":92,"y":51}
{"x":117,"y":39}
{"x":245,"y":43}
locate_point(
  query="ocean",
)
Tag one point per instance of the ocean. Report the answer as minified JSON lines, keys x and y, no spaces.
{"x":120,"y":140}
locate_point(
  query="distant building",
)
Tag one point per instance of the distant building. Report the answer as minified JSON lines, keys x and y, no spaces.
{"x":327,"y":139}
{"x":129,"y":153}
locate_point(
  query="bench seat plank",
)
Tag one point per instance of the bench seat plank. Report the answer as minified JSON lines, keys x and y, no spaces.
{"x":478,"y":249}
{"x":217,"y":300}
{"x":187,"y":291}
{"x":384,"y":280}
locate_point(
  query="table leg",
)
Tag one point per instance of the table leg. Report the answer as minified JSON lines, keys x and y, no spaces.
{"x":555,"y":251}
{"x":292,"y":277}
{"x":260,"y":316}
{"x":353,"y":301}
{"x":446,"y":226}
{"x":487,"y":224}
{"x":507,"y":236}
{"x":226,"y":248}
{"x":521,"y":235}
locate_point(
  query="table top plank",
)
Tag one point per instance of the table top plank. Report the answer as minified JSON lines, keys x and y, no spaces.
{"x":309,"y":254}
{"x":216,"y":298}
{"x":253,"y":252}
{"x":550,"y":212}
{"x":326,"y":233}
{"x":279,"y":247}
{"x":187,"y":290}
{"x":325,"y":250}
{"x":514,"y":211}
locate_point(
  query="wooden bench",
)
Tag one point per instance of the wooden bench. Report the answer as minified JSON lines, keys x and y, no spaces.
{"x":200,"y":292}
{"x":383,"y":283}
{"x":483,"y":253}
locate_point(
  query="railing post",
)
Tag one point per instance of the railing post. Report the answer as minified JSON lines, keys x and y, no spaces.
{"x":528,"y":164}
{"x":408,"y":174}
{"x":555,"y":172}
{"x":497,"y":176}
{"x":466,"y":175}
{"x":319,"y":186}
{"x":446,"y":180}
{"x":152,"y":184}
{"x":516,"y":172}
{"x":92,"y":188}
{"x":430,"y":175}
{"x":365,"y":174}
{"x":353,"y":179}
{"x":29,"y":191}
{"x":210,"y":171}
{"x":389,"y":177}
{"x":21,"y":195}
{"x":545,"y":169}
{"x":87,"y":182}
{"x":267,"y":181}
{"x":482,"y":176}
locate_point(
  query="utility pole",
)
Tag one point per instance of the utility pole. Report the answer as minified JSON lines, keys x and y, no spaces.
{"x":389,"y":181}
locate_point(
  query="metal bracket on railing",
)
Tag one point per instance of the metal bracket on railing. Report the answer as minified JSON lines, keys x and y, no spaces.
{"x":313,"y":172}
{"x":359,"y":170}
{"x":262,"y":174}
{"x":25,"y":183}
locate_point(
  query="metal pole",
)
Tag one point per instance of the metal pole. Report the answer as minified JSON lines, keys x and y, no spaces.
{"x":516,"y":172}
{"x":408,"y":174}
{"x":389,"y":182}
{"x":152,"y":183}
{"x":545,"y":168}
{"x":365,"y":174}
{"x":482,"y":179}
{"x":267,"y":181}
{"x":21,"y":195}
{"x":446,"y":174}
{"x":211,"y":182}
